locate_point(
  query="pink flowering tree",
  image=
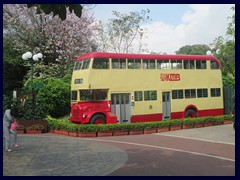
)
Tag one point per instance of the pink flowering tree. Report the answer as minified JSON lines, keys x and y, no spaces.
{"x":59,"y":41}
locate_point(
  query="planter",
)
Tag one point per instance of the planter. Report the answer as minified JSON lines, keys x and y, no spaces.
{"x":102,"y":134}
{"x":87,"y":134}
{"x":20,"y":131}
{"x":163,"y":129}
{"x":198,"y":125}
{"x":120,"y":133}
{"x":187,"y":126}
{"x":173,"y":128}
{"x":150,"y":131}
{"x":218,"y":123}
{"x":207,"y":124}
{"x":33,"y":131}
{"x":73,"y":134}
{"x":135,"y":132}
{"x":228,"y":122}
{"x":60,"y":131}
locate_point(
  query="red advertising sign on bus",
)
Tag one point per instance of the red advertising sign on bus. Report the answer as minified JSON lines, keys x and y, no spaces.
{"x":170,"y":77}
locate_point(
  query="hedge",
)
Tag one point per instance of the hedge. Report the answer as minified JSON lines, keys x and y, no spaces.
{"x":72,"y":127}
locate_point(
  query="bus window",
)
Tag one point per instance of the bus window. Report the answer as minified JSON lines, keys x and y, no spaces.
{"x":86,"y":63}
{"x":163,"y":64}
{"x":215,"y":92}
{"x":74,"y":96}
{"x":188,"y":64}
{"x":176,"y":64}
{"x":93,"y":95}
{"x":138,"y":96}
{"x":118,"y":63}
{"x":100,"y":63}
{"x":149,"y":64}
{"x":202,"y":93}
{"x":150,"y":95}
{"x":214,"y":65}
{"x":78,"y":65}
{"x":201,"y":65}
{"x":177,"y":94}
{"x":134,"y":64}
{"x":190,"y":93}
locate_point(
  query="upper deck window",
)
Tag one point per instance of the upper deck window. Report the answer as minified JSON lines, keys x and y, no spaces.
{"x":163,"y":64}
{"x":84,"y":64}
{"x":134,"y":64}
{"x":100,"y":63}
{"x":149,"y":64}
{"x":189,"y":64}
{"x":118,"y":63}
{"x":214,"y":65}
{"x":77,"y":65}
{"x":176,"y":64}
{"x":201,"y":64}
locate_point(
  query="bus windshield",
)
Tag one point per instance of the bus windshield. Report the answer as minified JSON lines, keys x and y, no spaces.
{"x":93,"y":95}
{"x":84,"y":64}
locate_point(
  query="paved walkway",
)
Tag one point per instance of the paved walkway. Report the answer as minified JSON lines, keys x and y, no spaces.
{"x":55,"y":155}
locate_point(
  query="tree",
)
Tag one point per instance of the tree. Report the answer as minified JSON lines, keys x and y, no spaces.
{"x":119,"y":33}
{"x":59,"y":41}
{"x":13,"y":69}
{"x":198,"y":49}
{"x":58,"y":9}
{"x":227,"y":48}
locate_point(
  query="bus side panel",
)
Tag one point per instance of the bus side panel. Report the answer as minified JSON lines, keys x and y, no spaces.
{"x":146,"y":118}
{"x":211,"y":112}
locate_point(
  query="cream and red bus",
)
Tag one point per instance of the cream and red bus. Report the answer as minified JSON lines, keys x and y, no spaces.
{"x":118,"y":88}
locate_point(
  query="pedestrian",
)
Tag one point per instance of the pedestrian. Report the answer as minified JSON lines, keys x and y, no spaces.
{"x":13,"y":130}
{"x":9,"y":116}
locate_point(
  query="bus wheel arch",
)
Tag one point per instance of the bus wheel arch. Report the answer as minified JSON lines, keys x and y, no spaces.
{"x":191,"y":111}
{"x":98,"y":119}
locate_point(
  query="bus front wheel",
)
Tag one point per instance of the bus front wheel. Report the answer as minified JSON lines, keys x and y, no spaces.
{"x":98,"y":119}
{"x":190,"y":114}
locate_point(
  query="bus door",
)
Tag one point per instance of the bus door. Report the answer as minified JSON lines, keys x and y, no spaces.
{"x":166,"y":106}
{"x":121,"y":106}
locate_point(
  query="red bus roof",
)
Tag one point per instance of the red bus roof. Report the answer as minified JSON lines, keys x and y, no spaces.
{"x":146,"y":56}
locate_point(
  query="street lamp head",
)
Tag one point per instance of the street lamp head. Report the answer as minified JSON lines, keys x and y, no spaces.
{"x":208,"y":52}
{"x":35,"y":57}
{"x":39,"y":55}
{"x":24,"y":57}
{"x":28,"y":55}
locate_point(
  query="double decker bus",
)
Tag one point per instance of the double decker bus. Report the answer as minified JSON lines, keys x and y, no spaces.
{"x":129,"y":88}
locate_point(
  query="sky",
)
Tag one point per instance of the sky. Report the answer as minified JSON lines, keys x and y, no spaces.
{"x":175,"y":25}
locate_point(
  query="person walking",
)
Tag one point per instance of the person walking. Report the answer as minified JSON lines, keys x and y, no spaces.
{"x":9,"y":116}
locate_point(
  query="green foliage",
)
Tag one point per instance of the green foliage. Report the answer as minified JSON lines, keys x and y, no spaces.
{"x":189,"y":122}
{"x":87,"y":128}
{"x":6,"y":102}
{"x":228,"y":81}
{"x":36,"y":127}
{"x":56,"y":97}
{"x":119,"y":33}
{"x":13,"y":68}
{"x":69,"y":126}
{"x":198,"y":49}
{"x":176,"y":122}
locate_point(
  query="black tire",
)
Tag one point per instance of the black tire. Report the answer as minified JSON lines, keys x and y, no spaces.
{"x":98,"y":119}
{"x":190,"y":113}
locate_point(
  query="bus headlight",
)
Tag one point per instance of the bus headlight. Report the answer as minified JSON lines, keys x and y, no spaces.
{"x":84,"y":115}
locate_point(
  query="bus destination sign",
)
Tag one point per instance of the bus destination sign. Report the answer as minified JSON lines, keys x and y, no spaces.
{"x":170,"y":77}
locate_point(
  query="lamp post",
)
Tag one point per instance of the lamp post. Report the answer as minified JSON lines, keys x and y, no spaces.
{"x":35,"y":58}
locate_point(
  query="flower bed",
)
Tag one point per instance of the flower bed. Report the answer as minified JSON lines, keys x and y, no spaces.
{"x":90,"y":130}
